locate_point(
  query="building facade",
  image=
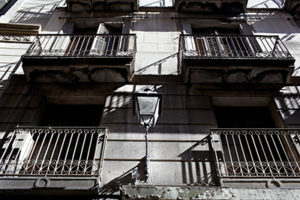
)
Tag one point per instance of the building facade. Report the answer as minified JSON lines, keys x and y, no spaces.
{"x":227,"y":71}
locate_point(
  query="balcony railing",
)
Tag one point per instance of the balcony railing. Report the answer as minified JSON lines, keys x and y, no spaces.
{"x":257,"y":153}
{"x":34,"y":151}
{"x":233,"y":47}
{"x":87,"y":46}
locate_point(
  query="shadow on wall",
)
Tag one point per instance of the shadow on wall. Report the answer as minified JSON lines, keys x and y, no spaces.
{"x":6,"y":71}
{"x":176,"y":116}
{"x":289,"y":106}
{"x":198,"y":162}
{"x":174,"y":158}
{"x":158,"y":64}
{"x":38,"y":13}
{"x":133,"y":176}
{"x":278,"y":24}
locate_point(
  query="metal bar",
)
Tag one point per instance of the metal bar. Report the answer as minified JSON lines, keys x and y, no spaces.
{"x":82,"y":43}
{"x":237,"y":154}
{"x":212,"y":134}
{"x":38,"y":155}
{"x":257,"y":153}
{"x":95,"y":152}
{"x":88,"y":153}
{"x":240,"y":46}
{"x":52,"y":154}
{"x":86,"y":51}
{"x":77,"y":42}
{"x":41,"y":147}
{"x":67,"y":152}
{"x":102,"y":153}
{"x":46,"y":152}
{"x":81,"y":151}
{"x":270,"y":150}
{"x":32,"y":151}
{"x":250,"y":153}
{"x":278,"y":153}
{"x":60,"y":151}
{"x":147,"y":163}
{"x":243,"y":153}
{"x":284,"y":151}
{"x":78,"y":133}
{"x":270,"y":153}
{"x":291,"y":151}
{"x":229,"y":152}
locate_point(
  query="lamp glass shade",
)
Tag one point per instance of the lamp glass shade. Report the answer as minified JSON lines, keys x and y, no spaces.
{"x":147,"y":104}
{"x":147,"y":107}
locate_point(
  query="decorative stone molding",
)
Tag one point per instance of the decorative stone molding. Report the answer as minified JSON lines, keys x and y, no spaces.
{"x":18,"y":32}
{"x":100,"y":5}
{"x":15,"y":38}
{"x":211,"y":6}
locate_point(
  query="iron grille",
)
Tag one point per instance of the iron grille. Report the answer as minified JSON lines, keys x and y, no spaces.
{"x":64,"y":151}
{"x":72,"y":45}
{"x":233,"y":46}
{"x":256,"y":152}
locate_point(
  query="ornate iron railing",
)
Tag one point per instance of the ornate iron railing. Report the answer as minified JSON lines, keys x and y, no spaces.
{"x":247,"y":153}
{"x":233,"y":47}
{"x":72,"y":45}
{"x":36,"y":151}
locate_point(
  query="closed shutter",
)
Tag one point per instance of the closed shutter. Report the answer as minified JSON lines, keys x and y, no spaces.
{"x":188,"y":42}
{"x":99,"y":46}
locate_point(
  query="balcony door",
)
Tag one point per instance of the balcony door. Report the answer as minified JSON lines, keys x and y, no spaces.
{"x":219,"y":42}
{"x":250,"y":144}
{"x":244,"y":117}
{"x":111,"y":42}
{"x":80,"y":42}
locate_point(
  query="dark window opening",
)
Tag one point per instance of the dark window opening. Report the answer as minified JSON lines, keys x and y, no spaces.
{"x":222,"y":41}
{"x":250,"y":143}
{"x":215,"y":31}
{"x":72,"y":115}
{"x":81,"y":42}
{"x":244,"y":117}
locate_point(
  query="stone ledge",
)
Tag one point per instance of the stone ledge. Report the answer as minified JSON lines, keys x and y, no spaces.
{"x":194,"y":192}
{"x":49,"y":185}
{"x":19,"y":29}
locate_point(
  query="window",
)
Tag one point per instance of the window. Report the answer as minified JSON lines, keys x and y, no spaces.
{"x":72,"y":115}
{"x":81,"y":42}
{"x":243,"y":117}
{"x":250,"y":146}
{"x":221,"y":42}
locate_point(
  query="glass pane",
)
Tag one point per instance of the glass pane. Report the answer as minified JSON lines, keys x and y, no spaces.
{"x":147,"y":105}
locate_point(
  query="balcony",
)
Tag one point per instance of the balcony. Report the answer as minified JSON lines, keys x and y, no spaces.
{"x":257,"y":157}
{"x":101,"y":5}
{"x":52,"y":159}
{"x":73,"y":58}
{"x":211,"y":6}
{"x":244,"y":59}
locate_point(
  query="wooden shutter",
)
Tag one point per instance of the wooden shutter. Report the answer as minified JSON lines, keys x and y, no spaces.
{"x":99,"y":45}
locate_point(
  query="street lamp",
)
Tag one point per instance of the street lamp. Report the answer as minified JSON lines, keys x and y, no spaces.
{"x":147,"y":108}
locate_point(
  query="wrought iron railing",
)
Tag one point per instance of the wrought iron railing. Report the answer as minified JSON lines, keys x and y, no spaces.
{"x":247,"y":153}
{"x":233,"y":47}
{"x":36,"y":151}
{"x":72,"y":45}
